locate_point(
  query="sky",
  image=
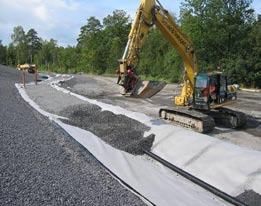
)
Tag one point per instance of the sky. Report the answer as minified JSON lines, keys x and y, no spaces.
{"x":62,"y":19}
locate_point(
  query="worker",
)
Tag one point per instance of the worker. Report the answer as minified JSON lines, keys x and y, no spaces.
{"x":212,"y":91}
{"x":131,"y":78}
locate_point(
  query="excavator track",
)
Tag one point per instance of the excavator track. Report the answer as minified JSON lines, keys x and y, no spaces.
{"x":189,"y":118}
{"x":228,"y":118}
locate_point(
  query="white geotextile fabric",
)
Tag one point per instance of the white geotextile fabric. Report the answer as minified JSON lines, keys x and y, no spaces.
{"x":155,"y":182}
{"x":224,"y":165}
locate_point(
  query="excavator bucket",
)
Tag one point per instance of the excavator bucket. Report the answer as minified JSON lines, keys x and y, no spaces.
{"x":147,"y":89}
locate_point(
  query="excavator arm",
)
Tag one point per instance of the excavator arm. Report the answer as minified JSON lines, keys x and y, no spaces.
{"x":171,"y":31}
{"x":149,"y":13}
{"x":139,"y":30}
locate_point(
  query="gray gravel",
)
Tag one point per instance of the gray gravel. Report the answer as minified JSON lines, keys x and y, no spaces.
{"x":50,"y":99}
{"x":89,"y":87}
{"x":250,"y":198}
{"x":119,"y":131}
{"x":41,"y":165}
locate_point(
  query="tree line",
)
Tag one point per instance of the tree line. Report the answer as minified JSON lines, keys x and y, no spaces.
{"x":226,"y":34}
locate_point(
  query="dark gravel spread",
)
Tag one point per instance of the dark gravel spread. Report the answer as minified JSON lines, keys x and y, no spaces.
{"x":119,"y":131}
{"x":250,"y":197}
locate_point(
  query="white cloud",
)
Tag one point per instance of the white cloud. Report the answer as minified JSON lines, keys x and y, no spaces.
{"x":57,"y":19}
{"x":42,"y":13}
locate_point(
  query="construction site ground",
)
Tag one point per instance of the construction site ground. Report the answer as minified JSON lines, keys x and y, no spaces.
{"x":106,"y":90}
{"x":130,"y":125}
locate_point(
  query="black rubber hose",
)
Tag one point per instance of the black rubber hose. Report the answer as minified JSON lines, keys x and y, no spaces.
{"x":197,"y":181}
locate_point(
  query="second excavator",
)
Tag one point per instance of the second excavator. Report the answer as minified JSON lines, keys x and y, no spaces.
{"x":203,"y":95}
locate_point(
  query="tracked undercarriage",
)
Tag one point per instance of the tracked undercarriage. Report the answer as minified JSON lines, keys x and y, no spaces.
{"x":228,"y":118}
{"x":203,"y":122}
{"x":189,"y":118}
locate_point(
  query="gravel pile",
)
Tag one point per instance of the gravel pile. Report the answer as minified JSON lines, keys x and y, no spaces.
{"x":41,"y":165}
{"x":250,"y":197}
{"x":119,"y":131}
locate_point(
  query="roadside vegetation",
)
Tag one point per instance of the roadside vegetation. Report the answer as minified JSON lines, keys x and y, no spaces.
{"x":226,"y":35}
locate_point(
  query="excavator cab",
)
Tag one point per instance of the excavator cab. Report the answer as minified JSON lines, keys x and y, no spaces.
{"x":201,"y":92}
{"x":211,"y":90}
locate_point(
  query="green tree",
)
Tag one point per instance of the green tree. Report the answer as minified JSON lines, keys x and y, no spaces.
{"x":19,"y":41}
{"x":117,"y":25}
{"x":159,"y":59}
{"x":11,"y":55}
{"x":116,"y":30}
{"x":33,"y":43}
{"x":3,"y":53}
{"x":92,"y":27}
{"x":18,"y":35}
{"x":252,"y":56}
{"x":48,"y":55}
{"x":69,"y":58}
{"x":219,"y":30}
{"x":92,"y":47}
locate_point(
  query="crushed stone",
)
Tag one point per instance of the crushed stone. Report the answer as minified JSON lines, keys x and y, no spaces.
{"x":119,"y":131}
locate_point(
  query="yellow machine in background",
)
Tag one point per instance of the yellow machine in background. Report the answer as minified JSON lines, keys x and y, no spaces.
{"x":30,"y":68}
{"x":202,"y":95}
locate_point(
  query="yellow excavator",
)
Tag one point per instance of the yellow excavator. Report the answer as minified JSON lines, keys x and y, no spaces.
{"x":203,"y":95}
